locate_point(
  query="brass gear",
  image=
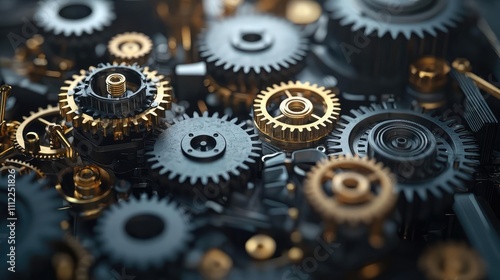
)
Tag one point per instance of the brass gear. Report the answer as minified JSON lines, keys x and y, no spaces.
{"x":21,"y":168}
{"x":118,"y":126}
{"x":45,"y":149}
{"x":451,"y":260}
{"x":130,"y":47}
{"x":303,"y":114}
{"x":363,"y":193}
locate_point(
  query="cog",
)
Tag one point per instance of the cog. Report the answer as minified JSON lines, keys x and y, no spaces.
{"x":130,"y":47}
{"x":74,"y":17}
{"x":143,"y":233}
{"x":87,"y":102}
{"x":38,"y":218}
{"x":432,"y":157}
{"x":34,"y":129}
{"x":21,"y":167}
{"x":352,"y":181}
{"x":205,"y":152}
{"x":295,"y":115}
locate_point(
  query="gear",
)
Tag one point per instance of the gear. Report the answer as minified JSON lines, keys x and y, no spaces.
{"x":431,"y":157}
{"x":130,"y":47}
{"x":143,"y":233}
{"x":94,"y":101}
{"x":38,"y":220}
{"x":31,"y":137}
{"x":210,"y":153}
{"x":74,"y":17}
{"x":247,"y":52}
{"x":21,"y":168}
{"x":451,"y":260}
{"x":295,"y":115}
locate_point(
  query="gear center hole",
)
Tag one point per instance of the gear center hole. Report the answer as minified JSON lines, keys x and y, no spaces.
{"x":75,"y":11}
{"x":203,"y":143}
{"x":144,"y":226}
{"x":251,"y":37}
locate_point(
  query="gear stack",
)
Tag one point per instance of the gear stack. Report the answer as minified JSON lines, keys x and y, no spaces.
{"x":378,"y":39}
{"x":246,"y":53}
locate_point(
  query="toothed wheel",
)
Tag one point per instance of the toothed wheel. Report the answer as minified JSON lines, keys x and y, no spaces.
{"x":143,"y":234}
{"x":21,"y":167}
{"x":432,"y":158}
{"x":210,"y":153}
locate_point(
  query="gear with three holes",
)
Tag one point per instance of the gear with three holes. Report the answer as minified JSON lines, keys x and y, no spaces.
{"x":31,"y":137}
{"x":130,"y":47}
{"x":74,"y":18}
{"x":143,"y":234}
{"x":38,"y":219}
{"x":295,"y":115}
{"x":210,"y":153}
{"x":138,"y":101}
{"x":431,"y":157}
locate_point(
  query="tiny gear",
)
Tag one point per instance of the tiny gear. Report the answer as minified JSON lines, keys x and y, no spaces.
{"x":130,"y":47}
{"x":115,"y":99}
{"x":143,"y":234}
{"x":295,"y":115}
{"x":210,"y":153}
{"x":432,"y":157}
{"x":74,"y":18}
{"x":247,"y":52}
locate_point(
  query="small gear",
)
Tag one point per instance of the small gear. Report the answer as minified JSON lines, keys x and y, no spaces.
{"x":115,"y":99}
{"x":31,"y":137}
{"x":130,"y":47}
{"x":247,"y":52}
{"x":21,"y":167}
{"x":452,"y":260}
{"x":74,"y":17}
{"x":295,"y":115}
{"x":431,"y":157}
{"x":210,"y":153}
{"x":38,"y":220}
{"x":143,"y":234}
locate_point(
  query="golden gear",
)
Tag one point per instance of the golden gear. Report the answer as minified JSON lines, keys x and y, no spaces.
{"x":130,"y":47}
{"x":28,"y":142}
{"x":21,"y":168}
{"x":71,"y":260}
{"x":120,"y":126}
{"x":352,"y":181}
{"x":451,"y":261}
{"x":306,"y":114}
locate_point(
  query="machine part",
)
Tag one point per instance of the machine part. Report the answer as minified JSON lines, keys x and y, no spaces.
{"x":352,"y":191}
{"x":215,"y":265}
{"x":74,"y":18}
{"x":33,"y":138}
{"x":130,"y":48}
{"x":37,"y":207}
{"x":431,"y":157}
{"x":303,"y":12}
{"x":88,"y":189}
{"x":451,"y":260}
{"x":69,"y":260}
{"x":464,"y":66}
{"x":86,"y":102}
{"x":252,"y":51}
{"x":143,"y":234}
{"x":21,"y":167}
{"x":261,"y":247}
{"x":295,"y":115}
{"x":429,"y":74}
{"x":210,"y":153}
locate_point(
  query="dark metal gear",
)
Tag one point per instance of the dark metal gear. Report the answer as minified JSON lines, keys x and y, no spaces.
{"x":210,"y":153}
{"x":431,"y":157}
{"x":38,"y":220}
{"x":143,"y":234}
{"x":252,"y":50}
{"x":74,"y":17}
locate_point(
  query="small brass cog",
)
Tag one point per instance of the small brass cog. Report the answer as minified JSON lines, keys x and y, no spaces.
{"x":21,"y":168}
{"x":148,"y":117}
{"x":295,"y":115}
{"x":70,"y":260}
{"x":32,"y":138}
{"x":130,"y":47}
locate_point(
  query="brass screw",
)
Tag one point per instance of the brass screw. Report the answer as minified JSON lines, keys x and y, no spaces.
{"x":116,"y":85}
{"x":429,"y":74}
{"x":261,"y":247}
{"x":87,"y":182}
{"x":215,"y":265}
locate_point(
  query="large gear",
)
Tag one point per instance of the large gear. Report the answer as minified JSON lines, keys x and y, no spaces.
{"x":38,"y":219}
{"x":143,"y":233}
{"x":247,"y":52}
{"x":295,"y":115}
{"x":74,"y":17}
{"x":206,"y":152}
{"x":89,"y":104}
{"x":432,"y":157}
